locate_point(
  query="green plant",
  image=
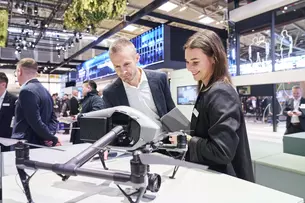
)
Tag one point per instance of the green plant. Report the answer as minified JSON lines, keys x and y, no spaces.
{"x":82,"y":13}
{"x":3,"y":27}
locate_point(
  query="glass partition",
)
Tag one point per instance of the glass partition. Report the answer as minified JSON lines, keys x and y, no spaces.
{"x":255,"y":52}
{"x":290,"y":44}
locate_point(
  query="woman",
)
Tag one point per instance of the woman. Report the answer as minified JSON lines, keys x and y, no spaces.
{"x":218,"y":133}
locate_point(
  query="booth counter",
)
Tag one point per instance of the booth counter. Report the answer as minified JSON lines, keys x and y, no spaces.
{"x":188,"y":186}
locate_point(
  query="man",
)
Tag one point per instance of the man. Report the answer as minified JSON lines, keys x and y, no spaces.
{"x":56,"y":104}
{"x":65,"y":111}
{"x":74,"y":105}
{"x":74,"y":110}
{"x":144,"y":90}
{"x":294,"y":110}
{"x":35,"y":119}
{"x":90,"y":102}
{"x":7,"y":109}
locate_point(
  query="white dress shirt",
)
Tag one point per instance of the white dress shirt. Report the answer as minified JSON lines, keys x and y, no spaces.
{"x":2,"y":99}
{"x":140,"y":98}
{"x":296,"y":105}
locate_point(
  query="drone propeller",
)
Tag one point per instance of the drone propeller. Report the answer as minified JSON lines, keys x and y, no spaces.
{"x":160,"y":159}
{"x":9,"y":142}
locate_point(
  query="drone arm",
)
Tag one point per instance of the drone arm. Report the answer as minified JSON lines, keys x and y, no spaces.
{"x":95,"y":148}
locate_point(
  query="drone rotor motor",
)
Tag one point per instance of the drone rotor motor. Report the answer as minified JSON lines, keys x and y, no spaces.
{"x":154,"y":182}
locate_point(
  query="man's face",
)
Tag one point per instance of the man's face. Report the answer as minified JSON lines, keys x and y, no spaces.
{"x":2,"y":86}
{"x":125,"y":63}
{"x":297,"y":93}
{"x":86,"y":89}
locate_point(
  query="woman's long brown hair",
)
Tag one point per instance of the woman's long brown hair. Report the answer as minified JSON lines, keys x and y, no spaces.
{"x":211,"y":45}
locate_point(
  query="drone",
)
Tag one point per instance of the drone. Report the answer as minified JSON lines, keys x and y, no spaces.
{"x":119,"y":128}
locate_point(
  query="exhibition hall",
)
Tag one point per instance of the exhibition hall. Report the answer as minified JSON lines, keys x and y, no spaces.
{"x":152,"y":101}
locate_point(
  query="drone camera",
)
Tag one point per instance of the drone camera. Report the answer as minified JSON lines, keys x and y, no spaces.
{"x":93,"y":128}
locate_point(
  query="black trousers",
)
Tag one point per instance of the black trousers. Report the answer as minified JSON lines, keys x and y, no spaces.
{"x":291,"y":129}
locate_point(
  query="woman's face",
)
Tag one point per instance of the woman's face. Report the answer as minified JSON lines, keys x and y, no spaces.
{"x":199,"y":64}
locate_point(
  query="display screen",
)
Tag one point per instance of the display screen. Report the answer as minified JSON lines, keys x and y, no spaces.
{"x":97,"y":67}
{"x":149,"y":45}
{"x":244,"y":90}
{"x":186,"y":95}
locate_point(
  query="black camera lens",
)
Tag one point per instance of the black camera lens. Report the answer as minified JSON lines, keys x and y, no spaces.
{"x":181,"y":141}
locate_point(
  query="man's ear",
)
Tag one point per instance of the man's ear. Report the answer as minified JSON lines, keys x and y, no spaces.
{"x":137,"y":57}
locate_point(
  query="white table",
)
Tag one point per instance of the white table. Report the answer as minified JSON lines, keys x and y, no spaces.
{"x":189,"y":186}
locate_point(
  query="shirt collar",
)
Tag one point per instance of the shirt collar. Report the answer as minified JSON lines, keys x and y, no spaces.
{"x":3,"y":95}
{"x":143,"y":79}
{"x":297,"y":99}
{"x":22,"y":86}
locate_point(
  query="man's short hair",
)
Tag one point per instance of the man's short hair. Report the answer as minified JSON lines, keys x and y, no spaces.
{"x":296,"y":87}
{"x":3,"y":78}
{"x":120,"y":43}
{"x":28,"y":63}
{"x":91,"y":83}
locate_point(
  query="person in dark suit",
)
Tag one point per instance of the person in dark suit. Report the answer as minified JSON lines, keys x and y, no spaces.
{"x":145,"y":90}
{"x":35,"y":120}
{"x":218,"y":136}
{"x":295,"y":121}
{"x":74,"y":110}
{"x":90,"y":102}
{"x":7,"y":110}
{"x":74,"y":104}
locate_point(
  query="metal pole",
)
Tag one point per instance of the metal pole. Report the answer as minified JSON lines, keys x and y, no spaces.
{"x":237,"y":45}
{"x":274,"y":102}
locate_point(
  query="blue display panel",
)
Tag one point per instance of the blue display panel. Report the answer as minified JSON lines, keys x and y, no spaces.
{"x":149,"y":45}
{"x":97,"y":67}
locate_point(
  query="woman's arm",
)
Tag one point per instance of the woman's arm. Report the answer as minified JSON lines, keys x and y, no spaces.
{"x":224,"y":117}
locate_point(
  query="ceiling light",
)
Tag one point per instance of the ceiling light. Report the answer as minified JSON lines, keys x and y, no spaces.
{"x":206,"y":20}
{"x":201,"y":16}
{"x":217,"y":23}
{"x":130,"y":28}
{"x":168,"y":6}
{"x":285,"y":8}
{"x":183,"y":8}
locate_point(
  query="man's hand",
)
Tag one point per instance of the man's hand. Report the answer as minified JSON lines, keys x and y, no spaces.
{"x":290,"y":113}
{"x":173,"y":139}
{"x":50,"y":143}
{"x":298,"y":113}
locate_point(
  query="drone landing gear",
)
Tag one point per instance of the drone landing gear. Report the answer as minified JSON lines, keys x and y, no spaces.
{"x":25,"y":179}
{"x":177,"y":167}
{"x":140,"y":194}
